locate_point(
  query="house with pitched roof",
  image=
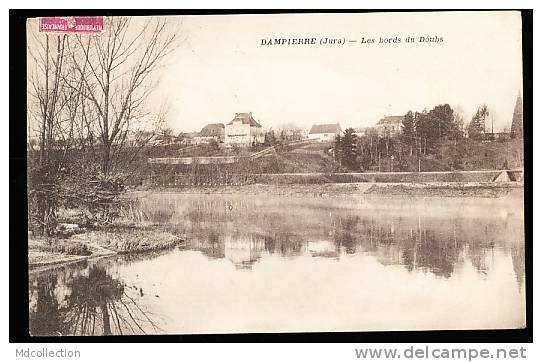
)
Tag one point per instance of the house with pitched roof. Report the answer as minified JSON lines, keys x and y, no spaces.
{"x":186,"y":138}
{"x":324,"y":132}
{"x":209,"y":133}
{"x":389,"y":126}
{"x":361,"y":131}
{"x":243,"y":131}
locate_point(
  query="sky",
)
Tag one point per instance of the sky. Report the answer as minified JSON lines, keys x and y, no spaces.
{"x":220,"y":68}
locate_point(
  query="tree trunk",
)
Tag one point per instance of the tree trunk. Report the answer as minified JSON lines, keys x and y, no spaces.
{"x":106,"y":158}
{"x":105,"y":319}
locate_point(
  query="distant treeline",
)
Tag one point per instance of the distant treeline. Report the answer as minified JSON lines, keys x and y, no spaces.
{"x":437,"y":138}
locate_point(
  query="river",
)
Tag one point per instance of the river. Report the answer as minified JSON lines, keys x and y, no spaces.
{"x":259,"y":263}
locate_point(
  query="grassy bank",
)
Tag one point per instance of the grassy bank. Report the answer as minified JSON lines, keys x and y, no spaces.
{"x":384,"y":177}
{"x":429,"y":189}
{"x":446,"y":189}
{"x":125,"y":240}
{"x":112,"y":240}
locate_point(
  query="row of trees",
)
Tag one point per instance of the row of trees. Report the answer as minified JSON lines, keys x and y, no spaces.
{"x":288,"y":133}
{"x":421,"y":133}
{"x":87,"y":96}
{"x":477,"y":126}
{"x":423,"y":130}
{"x":421,"y":136}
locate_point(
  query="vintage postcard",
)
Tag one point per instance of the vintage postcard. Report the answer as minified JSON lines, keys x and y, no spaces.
{"x":275,"y":173}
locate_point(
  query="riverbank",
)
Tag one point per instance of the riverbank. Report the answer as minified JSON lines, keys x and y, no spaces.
{"x":428,"y":189}
{"x":116,"y":239}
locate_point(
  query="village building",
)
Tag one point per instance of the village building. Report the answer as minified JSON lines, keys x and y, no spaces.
{"x":290,"y":132}
{"x":164,"y":137}
{"x":324,"y":132}
{"x":361,"y":131}
{"x":186,"y":138}
{"x":390,"y":126}
{"x":213,"y":132}
{"x":243,"y":131}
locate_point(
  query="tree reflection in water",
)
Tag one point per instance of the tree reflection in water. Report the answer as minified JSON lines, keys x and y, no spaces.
{"x":417,"y":247}
{"x":418,"y":235}
{"x":344,"y":234}
{"x":45,"y":317}
{"x":518,"y":261}
{"x":91,"y":304}
{"x":417,"y":244}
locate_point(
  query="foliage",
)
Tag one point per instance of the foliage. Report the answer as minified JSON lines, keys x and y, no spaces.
{"x":430,"y":141}
{"x":349,"y":150}
{"x":345,"y":149}
{"x":98,"y":198}
{"x":516,"y":130}
{"x":443,"y":120}
{"x":408,"y":134}
{"x":78,"y":186}
{"x":477,"y":125}
{"x":42,"y":201}
{"x":434,"y":126}
{"x":65,"y":247}
{"x":214,"y":145}
{"x":269,"y":138}
{"x":337,"y":149}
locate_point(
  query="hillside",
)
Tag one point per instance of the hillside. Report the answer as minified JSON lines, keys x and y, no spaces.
{"x":464,"y":155}
{"x":314,"y":157}
{"x":469,"y":155}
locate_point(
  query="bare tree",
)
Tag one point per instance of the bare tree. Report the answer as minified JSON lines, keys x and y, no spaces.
{"x":47,"y":103}
{"x":87,"y":94}
{"x":116,"y":69}
{"x":46,"y":87}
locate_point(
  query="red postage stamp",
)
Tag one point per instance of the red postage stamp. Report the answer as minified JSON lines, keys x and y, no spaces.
{"x":72,"y":24}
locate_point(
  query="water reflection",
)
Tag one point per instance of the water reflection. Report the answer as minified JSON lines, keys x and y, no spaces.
{"x":518,"y":261}
{"x":242,"y":229}
{"x":277,"y":264}
{"x":86,"y":301}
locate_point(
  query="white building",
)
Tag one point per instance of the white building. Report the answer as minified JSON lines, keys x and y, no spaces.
{"x":324,"y":132}
{"x":243,"y":131}
{"x":390,"y":126}
{"x":361,"y":131}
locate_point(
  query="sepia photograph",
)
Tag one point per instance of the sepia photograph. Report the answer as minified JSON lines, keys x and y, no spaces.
{"x":275,"y":173}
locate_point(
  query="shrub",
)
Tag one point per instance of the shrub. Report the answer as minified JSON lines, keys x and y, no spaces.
{"x":63,"y":247}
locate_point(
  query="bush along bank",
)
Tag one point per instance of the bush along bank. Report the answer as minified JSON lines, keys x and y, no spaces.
{"x":99,"y":242}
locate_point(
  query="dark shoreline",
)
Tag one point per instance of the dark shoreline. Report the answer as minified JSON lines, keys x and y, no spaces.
{"x":380,"y":189}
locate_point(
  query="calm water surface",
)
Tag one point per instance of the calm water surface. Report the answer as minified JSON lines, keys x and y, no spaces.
{"x":281,"y":264}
